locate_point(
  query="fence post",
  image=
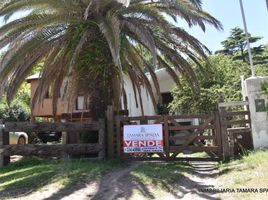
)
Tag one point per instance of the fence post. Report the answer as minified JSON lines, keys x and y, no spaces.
{"x":144,"y":120}
{"x":250,"y":123}
{"x":4,"y":140}
{"x":102,"y":140}
{"x":118,"y":135}
{"x":166,"y":136}
{"x":224,"y":134}
{"x":64,"y":134}
{"x":1,"y":143}
{"x":218,"y":134}
{"x":110,"y":131}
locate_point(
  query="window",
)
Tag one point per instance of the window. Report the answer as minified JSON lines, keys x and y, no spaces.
{"x":80,"y":103}
{"x":162,"y":109}
{"x":166,"y":98}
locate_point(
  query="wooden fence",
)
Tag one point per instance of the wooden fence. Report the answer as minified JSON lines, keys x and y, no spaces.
{"x":214,"y":133}
{"x":179,"y":136}
{"x":235,"y":121}
{"x":58,"y":150}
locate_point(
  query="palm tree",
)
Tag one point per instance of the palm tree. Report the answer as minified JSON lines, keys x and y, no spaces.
{"x":87,"y":46}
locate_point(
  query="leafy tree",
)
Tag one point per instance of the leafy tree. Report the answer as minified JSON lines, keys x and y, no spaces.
{"x":16,"y":111}
{"x":236,"y":46}
{"x":87,"y":46}
{"x":224,"y":81}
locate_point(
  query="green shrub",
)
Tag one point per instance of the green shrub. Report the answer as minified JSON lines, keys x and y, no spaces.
{"x":16,"y":111}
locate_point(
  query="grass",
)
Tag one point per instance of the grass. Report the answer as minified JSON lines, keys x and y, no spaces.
{"x":161,"y":175}
{"x":32,"y":174}
{"x":251,"y":171}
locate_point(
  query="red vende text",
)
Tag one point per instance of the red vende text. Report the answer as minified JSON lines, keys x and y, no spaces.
{"x":143,"y":143}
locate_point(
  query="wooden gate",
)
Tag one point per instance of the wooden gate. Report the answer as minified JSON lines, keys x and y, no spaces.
{"x":185,"y":136}
{"x":235,"y":128}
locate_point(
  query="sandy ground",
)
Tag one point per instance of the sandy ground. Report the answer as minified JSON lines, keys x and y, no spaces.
{"x":122,"y":185}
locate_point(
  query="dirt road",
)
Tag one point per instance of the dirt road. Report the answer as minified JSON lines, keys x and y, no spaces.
{"x":122,"y":185}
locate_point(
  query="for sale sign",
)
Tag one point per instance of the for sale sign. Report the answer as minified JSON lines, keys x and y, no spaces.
{"x":143,"y":138}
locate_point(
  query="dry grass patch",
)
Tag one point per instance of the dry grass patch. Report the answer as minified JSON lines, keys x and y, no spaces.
{"x":249,"y":173}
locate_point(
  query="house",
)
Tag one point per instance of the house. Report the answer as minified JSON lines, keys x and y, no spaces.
{"x":44,"y":109}
{"x":81,"y":113}
{"x":166,"y":84}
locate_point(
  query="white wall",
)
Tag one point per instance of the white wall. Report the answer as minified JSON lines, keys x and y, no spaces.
{"x":166,"y":82}
{"x":166,"y":85}
{"x":259,"y":120}
{"x":135,"y":110}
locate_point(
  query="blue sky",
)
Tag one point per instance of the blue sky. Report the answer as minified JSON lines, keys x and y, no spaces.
{"x":228,"y":12}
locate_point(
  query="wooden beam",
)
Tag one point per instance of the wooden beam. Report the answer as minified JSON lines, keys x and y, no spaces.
{"x":235,"y":122}
{"x":188,"y":127}
{"x":118,"y":136}
{"x":110,"y":132}
{"x":175,"y":149}
{"x":224,"y":135}
{"x":156,"y":117}
{"x":144,"y":120}
{"x":1,"y":144}
{"x":76,"y":116}
{"x":4,"y":140}
{"x":50,"y":150}
{"x":102,"y":139}
{"x":231,"y":104}
{"x":239,"y":130}
{"x":200,"y":137}
{"x":189,"y":116}
{"x":45,"y":126}
{"x":218,"y":134}
{"x":166,"y":136}
{"x":235,"y":113}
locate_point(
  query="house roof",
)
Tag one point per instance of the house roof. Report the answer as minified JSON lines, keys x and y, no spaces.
{"x":33,"y":77}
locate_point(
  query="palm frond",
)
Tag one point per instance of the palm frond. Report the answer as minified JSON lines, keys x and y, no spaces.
{"x":87,"y":45}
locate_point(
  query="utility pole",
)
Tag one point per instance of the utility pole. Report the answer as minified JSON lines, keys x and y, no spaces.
{"x":248,"y":44}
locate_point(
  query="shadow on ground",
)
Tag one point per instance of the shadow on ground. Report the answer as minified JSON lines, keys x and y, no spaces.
{"x":175,"y":178}
{"x":26,"y":176}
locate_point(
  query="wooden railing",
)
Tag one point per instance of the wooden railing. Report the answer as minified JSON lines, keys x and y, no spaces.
{"x":178,"y":137}
{"x":57,"y":150}
{"x":234,"y":117}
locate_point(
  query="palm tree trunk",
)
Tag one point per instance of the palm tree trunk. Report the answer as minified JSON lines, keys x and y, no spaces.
{"x":99,"y":100}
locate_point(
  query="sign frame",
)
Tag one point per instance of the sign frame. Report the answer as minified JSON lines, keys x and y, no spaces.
{"x":154,"y":145}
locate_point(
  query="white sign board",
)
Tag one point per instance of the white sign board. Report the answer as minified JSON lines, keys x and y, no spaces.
{"x":143,"y":138}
